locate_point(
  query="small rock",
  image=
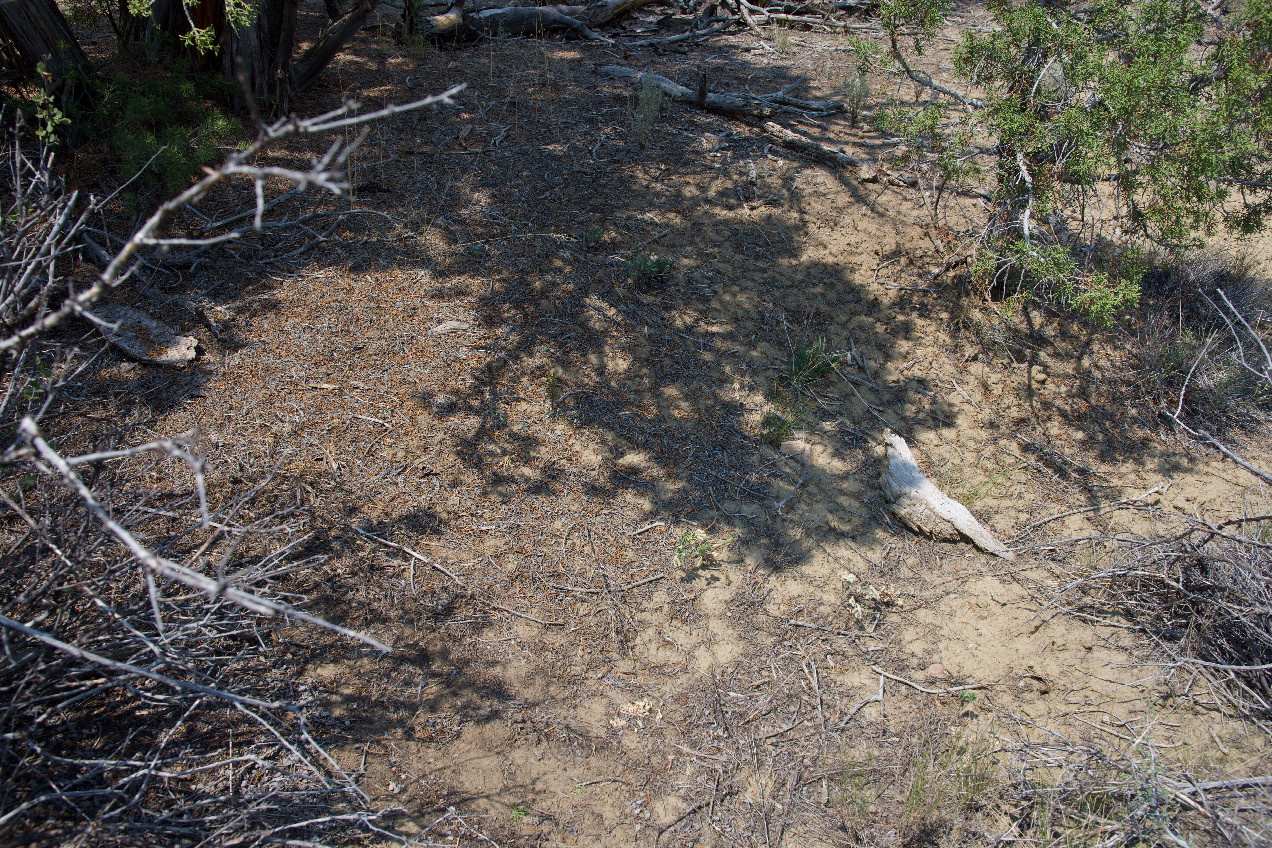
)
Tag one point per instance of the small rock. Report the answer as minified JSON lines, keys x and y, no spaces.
{"x":449,"y":327}
{"x":936,"y":670}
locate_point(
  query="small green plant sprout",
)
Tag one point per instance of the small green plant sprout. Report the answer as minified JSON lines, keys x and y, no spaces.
{"x":648,"y":102}
{"x":48,"y":118}
{"x":553,"y":387}
{"x":787,"y":414}
{"x":812,"y":361}
{"x":519,"y":812}
{"x":778,"y":427}
{"x":646,"y":268}
{"x":856,"y":95}
{"x":967,"y":697}
{"x":781,"y":39}
{"x":593,"y":235}
{"x":693,"y":549}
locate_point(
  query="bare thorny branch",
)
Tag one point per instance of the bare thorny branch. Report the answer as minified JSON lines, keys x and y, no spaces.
{"x":326,"y":173}
{"x":127,"y":710}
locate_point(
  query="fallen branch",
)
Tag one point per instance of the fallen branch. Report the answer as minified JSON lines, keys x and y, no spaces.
{"x":608,"y":11}
{"x":684,"y":36}
{"x":949,"y":691}
{"x":455,"y":578}
{"x":803,"y":144}
{"x":213,"y":588}
{"x":1122,"y":502}
{"x":327,"y":172}
{"x":875,"y":698}
{"x":745,"y":105}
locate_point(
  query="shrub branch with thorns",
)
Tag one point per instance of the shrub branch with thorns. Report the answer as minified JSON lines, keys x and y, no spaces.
{"x":132,"y":712}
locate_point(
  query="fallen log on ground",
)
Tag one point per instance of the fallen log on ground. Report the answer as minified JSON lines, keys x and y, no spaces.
{"x":927,"y":510}
{"x":865,"y":170}
{"x":608,"y":11}
{"x":528,"y":20}
{"x":507,"y":21}
{"x":747,"y":105}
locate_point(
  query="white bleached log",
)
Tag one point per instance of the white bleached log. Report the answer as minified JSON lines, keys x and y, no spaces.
{"x":924,"y":508}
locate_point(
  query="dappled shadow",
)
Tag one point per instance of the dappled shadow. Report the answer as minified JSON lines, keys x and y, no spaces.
{"x":526,"y":208}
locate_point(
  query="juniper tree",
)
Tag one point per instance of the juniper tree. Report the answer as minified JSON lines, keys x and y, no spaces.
{"x":1113,"y":129}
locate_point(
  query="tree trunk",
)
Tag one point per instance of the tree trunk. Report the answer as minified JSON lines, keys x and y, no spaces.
{"x":320,"y":54}
{"x":264,"y":52}
{"x":34,"y":31}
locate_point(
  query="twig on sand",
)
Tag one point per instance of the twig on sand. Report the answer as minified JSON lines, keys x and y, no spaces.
{"x":1132,"y":499}
{"x":454,"y":577}
{"x":678,"y":819}
{"x":584,"y":590}
{"x":779,"y":504}
{"x":876,"y":697}
{"x":950,"y":691}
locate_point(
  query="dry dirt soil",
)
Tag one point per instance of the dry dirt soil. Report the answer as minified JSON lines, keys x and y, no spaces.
{"x":619,"y":616}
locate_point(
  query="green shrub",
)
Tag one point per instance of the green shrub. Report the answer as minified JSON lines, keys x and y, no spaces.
{"x":646,"y":268}
{"x":812,"y":361}
{"x":1111,"y":129}
{"x":165,"y":121}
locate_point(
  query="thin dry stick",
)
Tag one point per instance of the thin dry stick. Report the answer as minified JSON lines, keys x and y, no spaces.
{"x":1132,"y":499}
{"x":454,"y":577}
{"x":586,"y":591}
{"x":950,"y":691}
{"x":877,"y":697}
{"x":779,"y":504}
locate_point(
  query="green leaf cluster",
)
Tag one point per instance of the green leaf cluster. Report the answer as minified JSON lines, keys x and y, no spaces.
{"x":165,"y":121}
{"x":1152,"y":109}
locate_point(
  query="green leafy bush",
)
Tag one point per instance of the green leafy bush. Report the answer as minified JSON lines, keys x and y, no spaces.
{"x":647,"y":268}
{"x":1112,"y":128}
{"x":165,"y":121}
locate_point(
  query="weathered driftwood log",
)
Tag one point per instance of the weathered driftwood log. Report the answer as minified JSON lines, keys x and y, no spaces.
{"x":925,"y":509}
{"x":745,"y":105}
{"x":607,"y":11}
{"x":510,"y":20}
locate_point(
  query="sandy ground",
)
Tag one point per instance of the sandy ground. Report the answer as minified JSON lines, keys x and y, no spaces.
{"x":656,"y":627}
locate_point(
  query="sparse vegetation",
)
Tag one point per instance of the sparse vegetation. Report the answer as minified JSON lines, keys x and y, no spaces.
{"x":645,"y":112}
{"x":789,"y":412}
{"x":456,"y":413}
{"x":693,"y":550}
{"x":781,"y":39}
{"x":856,"y":96}
{"x":647,"y":269}
{"x":813,"y":361}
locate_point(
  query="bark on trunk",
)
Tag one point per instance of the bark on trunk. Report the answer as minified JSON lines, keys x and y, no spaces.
{"x":263,"y":51}
{"x":310,"y":64}
{"x":34,"y":31}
